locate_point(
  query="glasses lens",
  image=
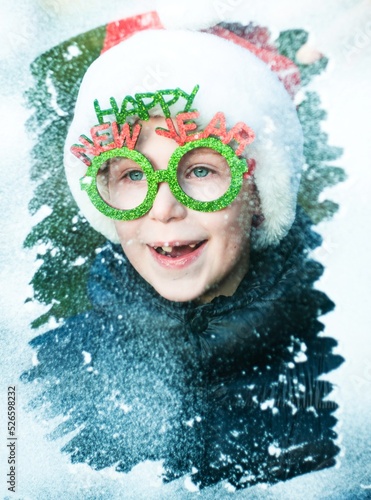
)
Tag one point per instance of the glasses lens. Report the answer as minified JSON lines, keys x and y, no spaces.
{"x":122,"y":183}
{"x":204,"y":174}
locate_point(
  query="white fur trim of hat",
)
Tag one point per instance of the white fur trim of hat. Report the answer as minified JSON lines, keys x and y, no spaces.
{"x":231,"y":80}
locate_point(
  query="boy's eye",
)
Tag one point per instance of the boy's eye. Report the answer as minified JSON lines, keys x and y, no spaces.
{"x":199,"y":171}
{"x":204,"y":174}
{"x":135,"y":175}
{"x":203,"y":162}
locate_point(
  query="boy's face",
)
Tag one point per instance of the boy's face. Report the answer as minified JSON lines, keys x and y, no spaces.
{"x":185,"y":254}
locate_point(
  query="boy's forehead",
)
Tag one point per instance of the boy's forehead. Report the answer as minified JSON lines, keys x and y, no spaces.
{"x":152,"y":145}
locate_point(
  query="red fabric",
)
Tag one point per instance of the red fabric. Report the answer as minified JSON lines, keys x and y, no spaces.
{"x":251,"y":164}
{"x":286,"y":70}
{"x":120,"y":30}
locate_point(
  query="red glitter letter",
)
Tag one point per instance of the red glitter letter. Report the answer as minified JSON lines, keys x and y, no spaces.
{"x":211,"y":129}
{"x":125,"y":135}
{"x":171,"y":133}
{"x":186,"y":124}
{"x":81,"y":150}
{"x":99,"y":138}
{"x":242,"y":134}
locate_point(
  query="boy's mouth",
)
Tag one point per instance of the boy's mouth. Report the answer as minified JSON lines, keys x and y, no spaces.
{"x":177,"y":250}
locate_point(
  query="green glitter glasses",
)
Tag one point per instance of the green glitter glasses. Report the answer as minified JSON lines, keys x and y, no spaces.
{"x":204,"y":175}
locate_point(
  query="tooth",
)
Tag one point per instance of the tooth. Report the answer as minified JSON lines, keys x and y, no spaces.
{"x":192,"y":246}
{"x":167,"y":249}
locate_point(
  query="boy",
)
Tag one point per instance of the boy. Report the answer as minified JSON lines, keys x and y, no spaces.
{"x":201,"y":349}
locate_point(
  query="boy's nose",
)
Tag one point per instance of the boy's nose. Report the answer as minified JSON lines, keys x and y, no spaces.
{"x":166,"y":207}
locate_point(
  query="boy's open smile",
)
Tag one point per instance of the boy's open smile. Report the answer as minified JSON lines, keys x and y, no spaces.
{"x":186,"y":254}
{"x":177,"y":254}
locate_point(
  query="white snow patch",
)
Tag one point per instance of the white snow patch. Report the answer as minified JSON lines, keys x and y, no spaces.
{"x":248,"y":477}
{"x":52,"y":323}
{"x":72,"y":51}
{"x":53,"y":96}
{"x":125,"y":408}
{"x":269,"y":403}
{"x":79,"y":261}
{"x":299,"y":97}
{"x":42,"y":248}
{"x":300,"y":357}
{"x":35,"y":361}
{"x":191,"y":421}
{"x":230,"y":488}
{"x":274,"y":450}
{"x":43,"y":212}
{"x":190,"y":485}
{"x":293,"y":407}
{"x":87,"y":179}
{"x":313,"y":410}
{"x":87,"y":357}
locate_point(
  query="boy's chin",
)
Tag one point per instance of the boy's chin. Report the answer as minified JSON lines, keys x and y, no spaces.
{"x":180,"y":292}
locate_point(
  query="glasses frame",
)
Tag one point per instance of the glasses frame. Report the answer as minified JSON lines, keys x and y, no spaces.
{"x":238,"y":167}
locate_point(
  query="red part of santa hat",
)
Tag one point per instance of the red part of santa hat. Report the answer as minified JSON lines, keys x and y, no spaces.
{"x":286,"y":70}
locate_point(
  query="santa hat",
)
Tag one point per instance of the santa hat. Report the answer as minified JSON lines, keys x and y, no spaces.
{"x":231,"y":80}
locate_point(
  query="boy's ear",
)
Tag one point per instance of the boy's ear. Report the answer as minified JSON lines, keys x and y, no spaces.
{"x":257,"y":220}
{"x":257,"y":217}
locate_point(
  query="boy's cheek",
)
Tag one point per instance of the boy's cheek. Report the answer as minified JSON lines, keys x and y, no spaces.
{"x":127,"y":232}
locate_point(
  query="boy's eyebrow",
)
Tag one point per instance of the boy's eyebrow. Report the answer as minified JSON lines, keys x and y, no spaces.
{"x":202,"y":151}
